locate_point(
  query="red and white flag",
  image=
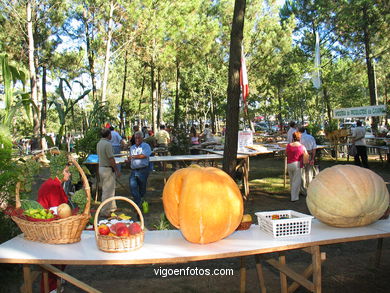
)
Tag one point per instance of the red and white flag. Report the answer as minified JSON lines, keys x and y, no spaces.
{"x":243,"y":78}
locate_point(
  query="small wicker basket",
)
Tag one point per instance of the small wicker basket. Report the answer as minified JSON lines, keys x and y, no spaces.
{"x":61,"y":231}
{"x":119,"y":243}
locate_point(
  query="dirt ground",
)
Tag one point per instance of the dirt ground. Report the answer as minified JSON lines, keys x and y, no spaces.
{"x":349,"y":267}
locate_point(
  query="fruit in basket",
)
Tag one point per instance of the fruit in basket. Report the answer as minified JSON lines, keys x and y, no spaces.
{"x":135,"y":228}
{"x":114,"y":227}
{"x":204,"y":203}
{"x":41,"y":214}
{"x":103,"y":229}
{"x":122,"y":231}
{"x":64,"y":211}
{"x":347,"y":196}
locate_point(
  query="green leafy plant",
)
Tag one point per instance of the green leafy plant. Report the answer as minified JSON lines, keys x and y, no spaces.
{"x":163,"y":224}
{"x":57,"y":165}
{"x":80,"y":198}
{"x":65,"y":105}
{"x":87,"y":144}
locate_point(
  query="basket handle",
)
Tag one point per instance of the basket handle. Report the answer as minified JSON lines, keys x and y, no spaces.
{"x":117,"y":198}
{"x":85,"y":183}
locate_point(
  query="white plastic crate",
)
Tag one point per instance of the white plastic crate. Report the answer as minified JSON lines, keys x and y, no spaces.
{"x":296,"y":224}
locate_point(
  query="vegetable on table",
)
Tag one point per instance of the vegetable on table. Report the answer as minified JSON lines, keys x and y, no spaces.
{"x":347,"y":196}
{"x":204,"y":203}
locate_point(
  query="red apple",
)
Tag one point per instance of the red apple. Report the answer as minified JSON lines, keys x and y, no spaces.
{"x":103,"y":229}
{"x":135,"y":228}
{"x":122,"y":231}
{"x":115,"y":226}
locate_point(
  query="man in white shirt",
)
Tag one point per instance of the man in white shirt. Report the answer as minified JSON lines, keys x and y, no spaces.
{"x":309,"y":170}
{"x":358,"y":139}
{"x":291,"y":131}
{"x":115,"y":140}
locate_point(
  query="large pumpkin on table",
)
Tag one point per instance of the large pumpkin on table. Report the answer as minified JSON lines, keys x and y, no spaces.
{"x":204,"y":203}
{"x":347,"y":196}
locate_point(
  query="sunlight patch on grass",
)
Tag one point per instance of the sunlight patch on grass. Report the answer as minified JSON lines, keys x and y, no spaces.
{"x":271,"y":184}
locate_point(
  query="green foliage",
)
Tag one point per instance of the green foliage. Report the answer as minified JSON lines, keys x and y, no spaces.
{"x":75,"y":174}
{"x":65,"y":105}
{"x":87,"y":144}
{"x":163,"y":224}
{"x":57,"y":165}
{"x":80,"y":198}
{"x":331,"y":126}
{"x":30,"y":204}
{"x":180,"y":142}
{"x":314,"y":130}
{"x":11,"y":172}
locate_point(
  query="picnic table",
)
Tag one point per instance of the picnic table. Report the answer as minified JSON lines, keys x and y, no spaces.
{"x":169,"y":247}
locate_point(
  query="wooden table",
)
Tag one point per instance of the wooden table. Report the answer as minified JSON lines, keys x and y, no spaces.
{"x":169,"y":246}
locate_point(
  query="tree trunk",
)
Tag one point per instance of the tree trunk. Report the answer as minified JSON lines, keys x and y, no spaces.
{"x":212,"y":114}
{"x":177,"y":110}
{"x":141,"y":98}
{"x":90,"y":53}
{"x":327,"y":103}
{"x":280,"y":118}
{"x":153,"y":97}
{"x":31,"y":67}
{"x":43,"y":109}
{"x":370,"y":68}
{"x":159,"y":104}
{"x":233,"y":92}
{"x":108,"y":53}
{"x":121,"y":125}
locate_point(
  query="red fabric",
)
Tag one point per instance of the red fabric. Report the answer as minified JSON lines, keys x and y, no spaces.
{"x":51,"y":193}
{"x":294,"y":153}
{"x":244,"y":78}
{"x":52,"y":279}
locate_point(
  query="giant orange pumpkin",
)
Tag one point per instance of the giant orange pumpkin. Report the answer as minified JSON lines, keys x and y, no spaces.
{"x":204,"y":203}
{"x":347,"y":196}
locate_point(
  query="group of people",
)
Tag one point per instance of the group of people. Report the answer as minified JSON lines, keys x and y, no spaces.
{"x":195,"y":138}
{"x":301,"y":152}
{"x":139,"y":153}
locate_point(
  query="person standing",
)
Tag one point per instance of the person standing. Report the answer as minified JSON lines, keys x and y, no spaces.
{"x":358,"y":134}
{"x":291,"y":131}
{"x":207,"y":134}
{"x":310,"y":169}
{"x":108,"y":170}
{"x":194,"y":141}
{"x":162,"y":137}
{"x":132,"y":139}
{"x":296,"y":157}
{"x":115,"y":141}
{"x":139,"y":164}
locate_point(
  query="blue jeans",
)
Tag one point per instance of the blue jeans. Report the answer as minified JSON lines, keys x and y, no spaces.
{"x":138,"y":180}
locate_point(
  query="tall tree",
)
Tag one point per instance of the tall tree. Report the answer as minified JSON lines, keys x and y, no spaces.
{"x":31,"y":63}
{"x":233,"y":91}
{"x":108,"y":51}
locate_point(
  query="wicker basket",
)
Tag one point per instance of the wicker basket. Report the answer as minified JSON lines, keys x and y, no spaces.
{"x":59,"y":231}
{"x":119,"y":243}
